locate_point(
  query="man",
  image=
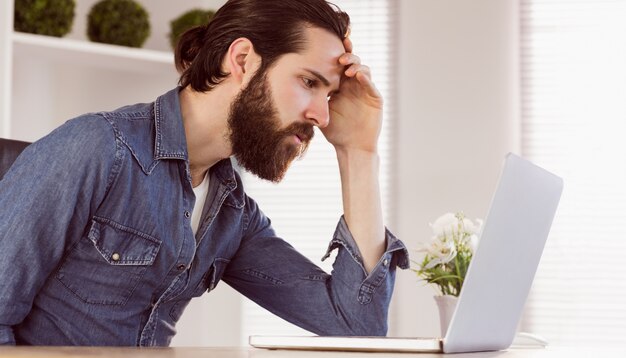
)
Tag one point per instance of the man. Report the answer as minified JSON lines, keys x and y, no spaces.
{"x":114,"y":221}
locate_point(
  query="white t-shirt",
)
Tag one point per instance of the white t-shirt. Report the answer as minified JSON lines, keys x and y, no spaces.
{"x":201,"y":192}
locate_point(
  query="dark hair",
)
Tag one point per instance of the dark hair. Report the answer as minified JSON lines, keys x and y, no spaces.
{"x":275,"y":28}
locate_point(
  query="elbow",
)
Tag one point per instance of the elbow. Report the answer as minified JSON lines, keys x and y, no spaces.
{"x":366,"y":326}
{"x":6,"y":336}
{"x":373,"y":330}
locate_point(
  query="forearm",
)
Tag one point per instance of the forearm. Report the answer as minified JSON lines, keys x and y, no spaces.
{"x":361,"y":202}
{"x":273,"y":274}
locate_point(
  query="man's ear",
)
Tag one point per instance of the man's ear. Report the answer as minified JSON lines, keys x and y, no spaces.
{"x":241,"y":60}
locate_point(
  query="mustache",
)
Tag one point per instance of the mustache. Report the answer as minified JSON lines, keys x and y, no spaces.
{"x":304,"y":131}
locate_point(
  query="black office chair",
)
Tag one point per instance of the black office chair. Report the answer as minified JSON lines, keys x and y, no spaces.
{"x":9,"y":151}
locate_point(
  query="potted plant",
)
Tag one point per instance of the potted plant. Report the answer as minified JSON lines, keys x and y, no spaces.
{"x":44,"y":17}
{"x":186,"y":21}
{"x":118,"y":22}
{"x":446,"y":258}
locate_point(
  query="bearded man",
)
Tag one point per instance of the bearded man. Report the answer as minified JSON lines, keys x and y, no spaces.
{"x":113,"y":222}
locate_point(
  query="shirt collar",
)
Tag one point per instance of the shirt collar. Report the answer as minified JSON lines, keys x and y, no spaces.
{"x":170,"y":141}
{"x":225,"y":173}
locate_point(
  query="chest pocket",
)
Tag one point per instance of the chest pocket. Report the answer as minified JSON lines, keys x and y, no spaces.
{"x":106,"y":266}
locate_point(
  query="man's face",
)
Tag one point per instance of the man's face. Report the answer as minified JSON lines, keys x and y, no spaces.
{"x":271,"y":121}
{"x":258,"y":141}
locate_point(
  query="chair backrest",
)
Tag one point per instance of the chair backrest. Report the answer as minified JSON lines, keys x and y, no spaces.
{"x":9,"y":151}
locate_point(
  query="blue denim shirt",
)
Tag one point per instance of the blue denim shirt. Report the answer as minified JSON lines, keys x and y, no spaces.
{"x":97,"y":247}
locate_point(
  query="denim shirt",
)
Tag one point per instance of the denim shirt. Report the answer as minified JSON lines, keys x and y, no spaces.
{"x":98,"y":249}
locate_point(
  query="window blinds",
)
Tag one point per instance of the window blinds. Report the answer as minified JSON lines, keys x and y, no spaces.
{"x":306,"y":206}
{"x":573,"y":122}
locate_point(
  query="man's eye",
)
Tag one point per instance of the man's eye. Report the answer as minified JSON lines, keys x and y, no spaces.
{"x":309,"y":83}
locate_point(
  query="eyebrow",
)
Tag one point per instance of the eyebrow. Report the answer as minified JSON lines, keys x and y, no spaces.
{"x":320,"y":77}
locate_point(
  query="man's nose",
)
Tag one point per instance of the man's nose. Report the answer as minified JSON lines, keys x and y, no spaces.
{"x":318,"y":112}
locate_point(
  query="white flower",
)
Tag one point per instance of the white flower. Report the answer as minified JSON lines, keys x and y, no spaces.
{"x":471,"y":233}
{"x":473,"y":243}
{"x":471,"y":228}
{"x":452,"y":247}
{"x":445,"y":225}
{"x":439,"y":251}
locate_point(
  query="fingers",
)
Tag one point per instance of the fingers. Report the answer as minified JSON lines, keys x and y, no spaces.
{"x":363,"y":76}
{"x":347,"y":44}
{"x":349,"y":58}
{"x":354,"y":69}
{"x":365,"y":79}
{"x":353,"y":64}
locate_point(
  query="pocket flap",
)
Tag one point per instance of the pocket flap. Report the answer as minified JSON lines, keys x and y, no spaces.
{"x":121,"y":245}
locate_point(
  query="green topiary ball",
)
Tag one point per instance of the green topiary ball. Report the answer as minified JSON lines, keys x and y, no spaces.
{"x":44,"y":17}
{"x":188,"y":20}
{"x":118,"y":22}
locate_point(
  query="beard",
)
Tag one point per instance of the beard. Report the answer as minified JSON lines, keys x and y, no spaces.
{"x":258,"y":143}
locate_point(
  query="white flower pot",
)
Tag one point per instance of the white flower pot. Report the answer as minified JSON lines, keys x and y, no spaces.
{"x":446,"y":305}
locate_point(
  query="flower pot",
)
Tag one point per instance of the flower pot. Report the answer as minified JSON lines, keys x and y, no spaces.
{"x":446,"y":305}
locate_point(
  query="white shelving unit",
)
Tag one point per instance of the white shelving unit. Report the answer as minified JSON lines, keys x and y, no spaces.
{"x":97,"y":56}
{"x":46,"y":80}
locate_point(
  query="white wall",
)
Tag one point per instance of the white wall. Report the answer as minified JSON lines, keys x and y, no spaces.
{"x":458,"y":117}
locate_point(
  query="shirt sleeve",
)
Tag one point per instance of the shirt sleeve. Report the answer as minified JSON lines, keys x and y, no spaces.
{"x":348,"y":301}
{"x":46,"y":200}
{"x":352,"y":267}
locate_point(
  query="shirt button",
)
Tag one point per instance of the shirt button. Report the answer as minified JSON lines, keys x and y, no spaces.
{"x":115,"y":256}
{"x":385,"y":262}
{"x":181,"y":267}
{"x":187,"y":214}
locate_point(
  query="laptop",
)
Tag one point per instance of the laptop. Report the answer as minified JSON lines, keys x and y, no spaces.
{"x":498,"y":279}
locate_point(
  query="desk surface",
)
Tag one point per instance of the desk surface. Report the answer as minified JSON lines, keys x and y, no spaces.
{"x":245,"y":352}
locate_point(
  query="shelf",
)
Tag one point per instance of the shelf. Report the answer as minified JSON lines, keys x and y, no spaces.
{"x":90,"y":54}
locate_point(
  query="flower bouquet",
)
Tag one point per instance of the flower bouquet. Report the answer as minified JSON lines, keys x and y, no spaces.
{"x":449,"y":252}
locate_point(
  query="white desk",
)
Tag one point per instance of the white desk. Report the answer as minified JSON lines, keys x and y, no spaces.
{"x":246,"y":352}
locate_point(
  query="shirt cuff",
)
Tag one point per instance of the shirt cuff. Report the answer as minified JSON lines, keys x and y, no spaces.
{"x":395,"y":254}
{"x":348,"y":267}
